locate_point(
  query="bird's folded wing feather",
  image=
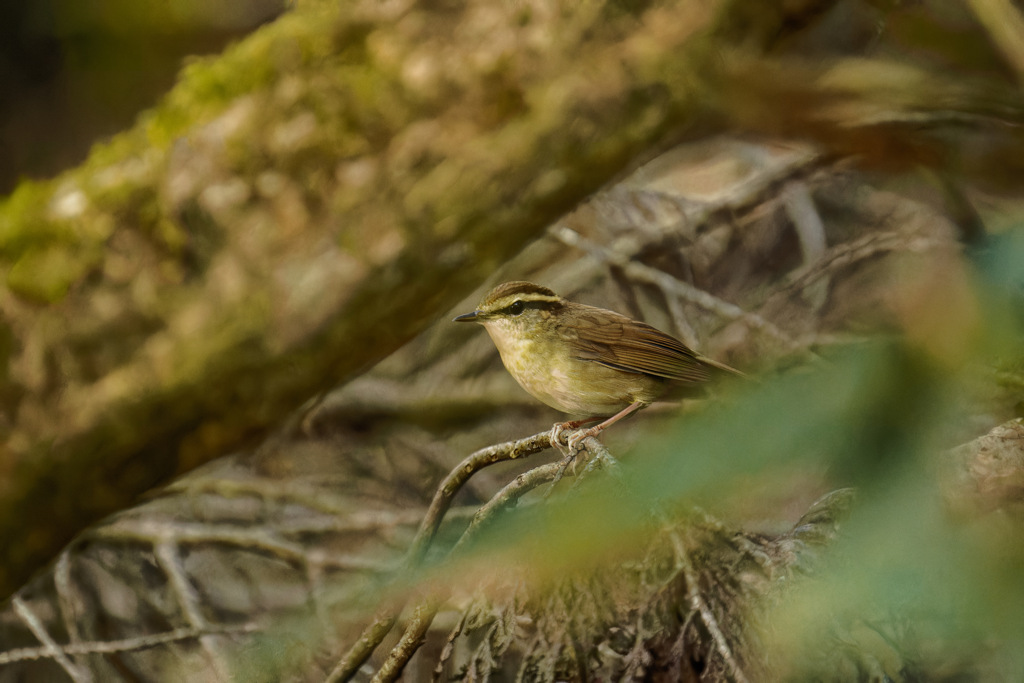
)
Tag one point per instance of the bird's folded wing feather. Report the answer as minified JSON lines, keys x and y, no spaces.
{"x":632,"y":346}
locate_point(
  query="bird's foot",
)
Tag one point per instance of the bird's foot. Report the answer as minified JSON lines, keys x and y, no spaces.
{"x":576,"y":438}
{"x":570,"y":446}
{"x":556,"y":438}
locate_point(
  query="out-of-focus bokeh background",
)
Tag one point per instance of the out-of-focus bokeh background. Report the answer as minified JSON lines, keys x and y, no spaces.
{"x":73,"y":73}
{"x":230,"y":384}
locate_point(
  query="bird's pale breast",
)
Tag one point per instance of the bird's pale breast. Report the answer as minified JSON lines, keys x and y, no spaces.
{"x":578,"y":387}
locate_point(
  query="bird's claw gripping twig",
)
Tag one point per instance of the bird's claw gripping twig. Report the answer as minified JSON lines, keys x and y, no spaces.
{"x":573,"y":443}
{"x":568,"y":453}
{"x":556,"y":438}
{"x":571,"y":446}
{"x":576,"y":438}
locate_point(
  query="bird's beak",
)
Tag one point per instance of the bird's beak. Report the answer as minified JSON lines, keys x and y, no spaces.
{"x":467,"y":317}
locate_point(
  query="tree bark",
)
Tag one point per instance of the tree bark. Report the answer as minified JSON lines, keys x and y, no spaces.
{"x":294,"y":210}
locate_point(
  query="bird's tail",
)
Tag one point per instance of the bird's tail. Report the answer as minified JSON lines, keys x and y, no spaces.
{"x":723,"y":367}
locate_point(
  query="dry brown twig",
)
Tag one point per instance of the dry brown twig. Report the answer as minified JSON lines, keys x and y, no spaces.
{"x":849,"y":253}
{"x":50,"y":646}
{"x":109,"y":647}
{"x":700,"y":606}
{"x":165,"y":539}
{"x":423,"y":613}
{"x":643,"y":273}
{"x":373,"y":634}
{"x":453,"y":483}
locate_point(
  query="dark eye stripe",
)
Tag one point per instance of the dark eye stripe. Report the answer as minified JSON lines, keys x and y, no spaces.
{"x":517,"y":307}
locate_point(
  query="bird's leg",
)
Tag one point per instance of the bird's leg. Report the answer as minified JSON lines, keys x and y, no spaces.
{"x":559,"y":427}
{"x":575,"y":439}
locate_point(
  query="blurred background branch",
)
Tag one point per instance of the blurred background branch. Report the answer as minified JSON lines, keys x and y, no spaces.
{"x":294,"y":210}
{"x":823,"y":192}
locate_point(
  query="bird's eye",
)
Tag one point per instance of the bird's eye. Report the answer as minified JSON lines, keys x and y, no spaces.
{"x":516,"y":308}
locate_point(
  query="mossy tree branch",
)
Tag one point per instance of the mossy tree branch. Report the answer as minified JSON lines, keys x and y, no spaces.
{"x":296,"y":209}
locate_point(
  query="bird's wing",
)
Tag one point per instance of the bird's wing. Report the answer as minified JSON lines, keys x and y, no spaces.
{"x":631,"y":346}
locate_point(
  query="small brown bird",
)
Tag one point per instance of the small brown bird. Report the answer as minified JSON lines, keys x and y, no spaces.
{"x":585,"y":360}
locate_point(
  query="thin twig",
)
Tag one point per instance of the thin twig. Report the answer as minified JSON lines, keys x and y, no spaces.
{"x":415,"y":634}
{"x":459,"y":476}
{"x":563,"y":465}
{"x":368,"y":641}
{"x":424,"y":612}
{"x":848,"y":253}
{"x":506,"y":498}
{"x":687,"y":334}
{"x":810,"y":231}
{"x":116,"y":646}
{"x":601,"y":457}
{"x":168,"y":557}
{"x":698,"y":604}
{"x":52,"y":649}
{"x":373,"y":634}
{"x":760,"y":192}
{"x":799,"y":206}
{"x":67,"y":597}
{"x":266,"y":540}
{"x":449,"y":646}
{"x":644,"y":273}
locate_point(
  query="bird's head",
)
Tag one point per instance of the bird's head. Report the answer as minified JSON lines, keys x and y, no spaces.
{"x":514,"y":310}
